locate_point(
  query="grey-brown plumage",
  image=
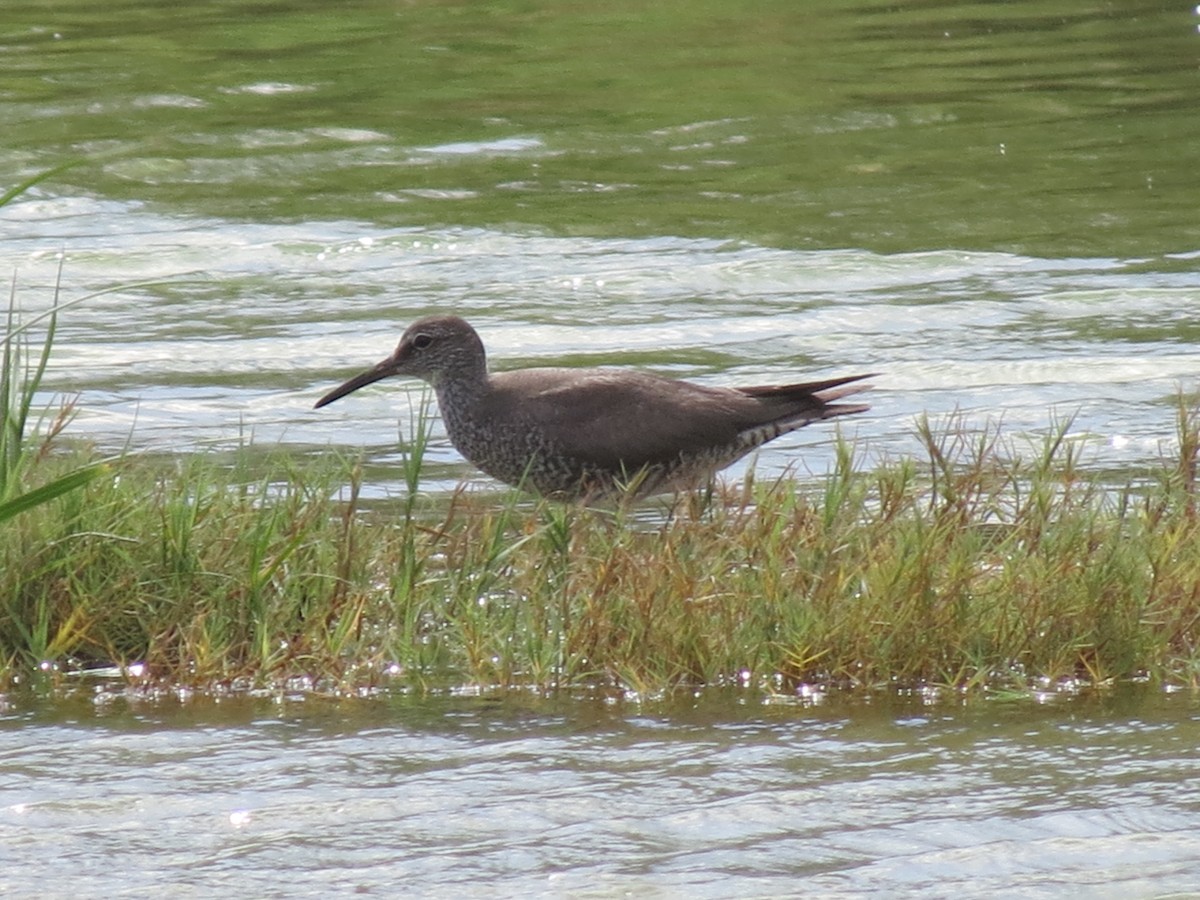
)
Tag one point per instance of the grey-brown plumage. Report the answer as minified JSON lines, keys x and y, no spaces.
{"x":589,"y":433}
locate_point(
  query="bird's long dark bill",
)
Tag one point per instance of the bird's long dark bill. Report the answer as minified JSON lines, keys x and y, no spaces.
{"x":383,"y":370}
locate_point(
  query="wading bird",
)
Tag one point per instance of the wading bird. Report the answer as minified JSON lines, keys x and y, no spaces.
{"x":591,"y":434}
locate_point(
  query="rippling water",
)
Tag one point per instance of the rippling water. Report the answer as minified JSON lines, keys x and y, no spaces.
{"x":717,"y":798}
{"x":282,"y":312}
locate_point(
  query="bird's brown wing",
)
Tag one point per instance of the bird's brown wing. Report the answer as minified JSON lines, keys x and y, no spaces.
{"x":615,"y":417}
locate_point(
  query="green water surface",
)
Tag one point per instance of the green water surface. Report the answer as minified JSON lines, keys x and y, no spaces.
{"x":1048,"y":128}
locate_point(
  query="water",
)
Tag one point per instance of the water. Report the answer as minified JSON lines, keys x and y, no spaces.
{"x":992,"y":205}
{"x":719,"y":797}
{"x":281,"y":313}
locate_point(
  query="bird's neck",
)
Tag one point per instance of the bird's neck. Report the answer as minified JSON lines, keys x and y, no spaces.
{"x":459,"y":397}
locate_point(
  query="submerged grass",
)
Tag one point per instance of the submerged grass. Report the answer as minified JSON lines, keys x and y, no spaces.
{"x":973,"y":567}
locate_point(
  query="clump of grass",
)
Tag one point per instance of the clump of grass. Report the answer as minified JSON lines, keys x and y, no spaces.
{"x":973,"y":567}
{"x":979,"y":567}
{"x":24,"y":445}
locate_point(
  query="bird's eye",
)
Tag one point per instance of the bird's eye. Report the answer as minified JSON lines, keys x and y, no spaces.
{"x":421,"y":341}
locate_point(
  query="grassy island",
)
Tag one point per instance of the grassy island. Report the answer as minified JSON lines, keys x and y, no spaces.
{"x":974,"y":567}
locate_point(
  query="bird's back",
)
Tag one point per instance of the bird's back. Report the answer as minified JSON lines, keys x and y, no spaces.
{"x":597,"y":424}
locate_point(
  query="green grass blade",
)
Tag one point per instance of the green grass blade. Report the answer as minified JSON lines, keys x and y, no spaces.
{"x":22,"y":186}
{"x":47,"y":492}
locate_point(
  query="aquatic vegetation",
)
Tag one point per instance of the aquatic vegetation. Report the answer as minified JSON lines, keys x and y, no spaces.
{"x":974,"y":567}
{"x":21,"y":374}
